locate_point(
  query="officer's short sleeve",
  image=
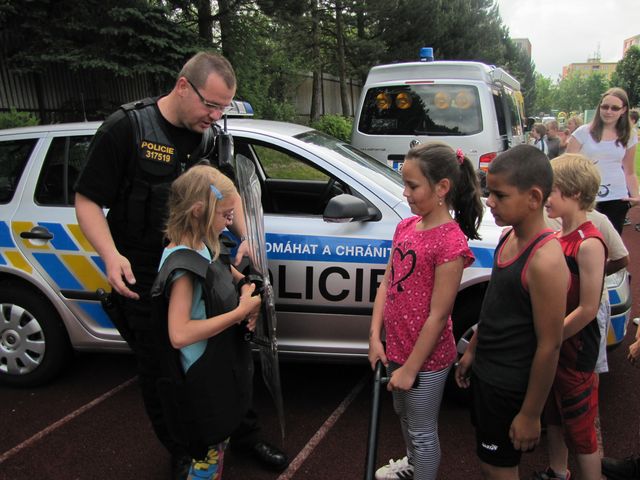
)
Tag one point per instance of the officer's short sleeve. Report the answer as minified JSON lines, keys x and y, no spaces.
{"x":109,"y":155}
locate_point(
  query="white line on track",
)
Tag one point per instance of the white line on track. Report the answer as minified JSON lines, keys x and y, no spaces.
{"x":54,"y":426}
{"x":323,"y":430}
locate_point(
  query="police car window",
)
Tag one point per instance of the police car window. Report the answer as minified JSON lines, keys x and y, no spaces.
{"x":14,"y":155}
{"x":425,"y":109}
{"x":60,"y":170}
{"x":370,"y":165}
{"x":280,"y":165}
{"x":293,"y":186}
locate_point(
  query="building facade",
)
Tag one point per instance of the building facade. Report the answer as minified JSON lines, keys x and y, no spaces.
{"x":592,"y":65}
{"x":630,"y":42}
{"x":523,"y":44}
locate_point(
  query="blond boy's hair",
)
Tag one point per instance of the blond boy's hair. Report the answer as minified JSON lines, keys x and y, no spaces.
{"x":187,"y":190}
{"x":574,"y":175}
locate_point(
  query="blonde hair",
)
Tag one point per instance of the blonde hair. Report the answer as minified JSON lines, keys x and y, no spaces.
{"x":576,"y":175}
{"x":189,"y":189}
{"x":576,"y":119}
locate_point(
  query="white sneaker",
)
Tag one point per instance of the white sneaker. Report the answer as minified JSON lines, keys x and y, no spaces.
{"x":398,"y":470}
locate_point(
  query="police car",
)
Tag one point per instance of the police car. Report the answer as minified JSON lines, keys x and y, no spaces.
{"x":330,"y":213}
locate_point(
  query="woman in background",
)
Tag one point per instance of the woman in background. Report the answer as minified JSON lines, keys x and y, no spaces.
{"x":610,"y":142}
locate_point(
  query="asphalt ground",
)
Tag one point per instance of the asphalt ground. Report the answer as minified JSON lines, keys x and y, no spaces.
{"x":90,"y":423}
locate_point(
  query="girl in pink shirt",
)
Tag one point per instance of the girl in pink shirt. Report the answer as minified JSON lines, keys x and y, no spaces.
{"x":416,"y":296}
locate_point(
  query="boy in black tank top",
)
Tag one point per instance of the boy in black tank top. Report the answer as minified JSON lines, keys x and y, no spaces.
{"x":511,"y":359}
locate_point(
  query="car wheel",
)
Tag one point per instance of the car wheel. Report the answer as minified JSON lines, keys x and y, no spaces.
{"x":34,"y":346}
{"x":465,"y":318}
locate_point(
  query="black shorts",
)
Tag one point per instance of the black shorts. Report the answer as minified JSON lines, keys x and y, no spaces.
{"x":492,"y":411}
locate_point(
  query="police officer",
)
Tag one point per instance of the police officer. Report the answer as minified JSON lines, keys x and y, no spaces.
{"x":135,"y":155}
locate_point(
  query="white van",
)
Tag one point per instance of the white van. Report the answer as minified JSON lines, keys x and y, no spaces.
{"x":469,"y":105}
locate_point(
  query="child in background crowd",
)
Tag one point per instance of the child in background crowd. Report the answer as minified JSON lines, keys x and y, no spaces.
{"x":512,"y":355}
{"x":416,"y":296}
{"x":539,"y":135}
{"x":571,"y":410}
{"x":573,"y":123}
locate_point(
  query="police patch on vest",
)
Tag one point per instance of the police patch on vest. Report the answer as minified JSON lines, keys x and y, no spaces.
{"x":157,"y":151}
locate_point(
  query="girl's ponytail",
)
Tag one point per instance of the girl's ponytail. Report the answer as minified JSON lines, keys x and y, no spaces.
{"x":438,"y":160}
{"x":466,"y":202}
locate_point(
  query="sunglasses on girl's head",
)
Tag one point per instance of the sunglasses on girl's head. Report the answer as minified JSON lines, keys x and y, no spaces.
{"x":613,"y":108}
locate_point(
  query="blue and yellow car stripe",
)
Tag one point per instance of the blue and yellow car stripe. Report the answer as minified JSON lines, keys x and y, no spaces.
{"x":68,"y":259}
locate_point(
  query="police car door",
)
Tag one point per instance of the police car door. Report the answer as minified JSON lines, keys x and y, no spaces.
{"x":324,"y":274}
{"x":46,"y":232}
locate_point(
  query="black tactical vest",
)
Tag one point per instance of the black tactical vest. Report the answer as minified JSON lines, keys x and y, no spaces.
{"x":140,"y":213}
{"x":205,"y":405}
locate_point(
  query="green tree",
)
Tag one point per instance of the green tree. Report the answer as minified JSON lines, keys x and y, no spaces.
{"x":545,"y":95}
{"x":114,"y":37}
{"x":267,"y":41}
{"x":518,"y":63}
{"x":627,"y":75}
{"x":452,"y":27}
{"x":579,"y":92}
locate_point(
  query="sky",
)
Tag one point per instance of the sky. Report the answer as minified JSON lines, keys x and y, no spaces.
{"x":570,"y":31}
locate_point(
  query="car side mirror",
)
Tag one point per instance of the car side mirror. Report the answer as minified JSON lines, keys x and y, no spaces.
{"x":346,"y":208}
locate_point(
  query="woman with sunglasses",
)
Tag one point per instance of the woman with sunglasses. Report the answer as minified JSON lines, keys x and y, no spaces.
{"x":610,"y":142}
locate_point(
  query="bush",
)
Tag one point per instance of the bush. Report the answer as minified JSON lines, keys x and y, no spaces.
{"x":335,"y":125}
{"x":281,"y":111}
{"x":13,"y":118}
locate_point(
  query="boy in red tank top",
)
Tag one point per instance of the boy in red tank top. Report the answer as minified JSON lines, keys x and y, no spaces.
{"x":573,"y":403}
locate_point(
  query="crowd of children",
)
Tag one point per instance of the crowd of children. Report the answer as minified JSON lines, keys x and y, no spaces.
{"x":541,"y":308}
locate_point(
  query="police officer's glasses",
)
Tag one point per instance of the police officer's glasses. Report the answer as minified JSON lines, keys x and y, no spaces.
{"x":213,"y":106}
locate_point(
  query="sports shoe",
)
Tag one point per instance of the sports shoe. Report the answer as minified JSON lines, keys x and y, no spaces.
{"x":549,"y":474}
{"x":625,"y":469}
{"x":398,"y":470}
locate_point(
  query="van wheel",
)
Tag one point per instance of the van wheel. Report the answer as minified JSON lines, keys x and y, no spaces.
{"x":34,"y":346}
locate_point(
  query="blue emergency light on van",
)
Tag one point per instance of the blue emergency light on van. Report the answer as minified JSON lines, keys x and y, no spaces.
{"x":426,"y":54}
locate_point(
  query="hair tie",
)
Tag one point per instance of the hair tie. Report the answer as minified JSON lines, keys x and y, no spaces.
{"x":216,"y":192}
{"x":460,"y":155}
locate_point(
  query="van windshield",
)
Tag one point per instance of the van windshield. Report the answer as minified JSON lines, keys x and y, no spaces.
{"x":425,"y":109}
